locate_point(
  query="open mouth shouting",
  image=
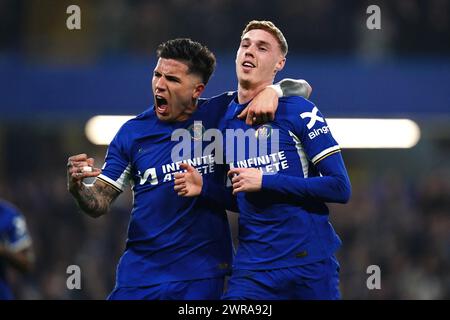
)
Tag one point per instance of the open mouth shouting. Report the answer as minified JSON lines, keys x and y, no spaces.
{"x":161,"y":105}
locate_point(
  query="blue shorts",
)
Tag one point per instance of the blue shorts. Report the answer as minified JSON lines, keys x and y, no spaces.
{"x":202,"y":289}
{"x":314,"y":281}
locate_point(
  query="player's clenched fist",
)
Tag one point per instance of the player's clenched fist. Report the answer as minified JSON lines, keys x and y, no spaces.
{"x":78,"y":168}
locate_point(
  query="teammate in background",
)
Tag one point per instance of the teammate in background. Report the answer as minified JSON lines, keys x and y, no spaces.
{"x":286,"y":242}
{"x":177,"y":248}
{"x":15,"y":246}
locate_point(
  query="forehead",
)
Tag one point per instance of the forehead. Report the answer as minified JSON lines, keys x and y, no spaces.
{"x":171,"y":66}
{"x":256,"y":35}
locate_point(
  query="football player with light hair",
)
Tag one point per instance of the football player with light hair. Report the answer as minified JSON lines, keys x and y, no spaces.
{"x":286,"y":242}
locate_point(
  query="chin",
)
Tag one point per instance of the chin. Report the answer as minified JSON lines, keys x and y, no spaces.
{"x":246,"y":76}
{"x":244,"y":81}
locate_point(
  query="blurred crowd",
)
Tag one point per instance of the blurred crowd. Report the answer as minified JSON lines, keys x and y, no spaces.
{"x":37,"y":28}
{"x":396,"y":221}
{"x":402,"y":225}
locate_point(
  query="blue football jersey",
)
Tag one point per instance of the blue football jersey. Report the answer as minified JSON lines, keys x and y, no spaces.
{"x":14,"y":236}
{"x":277,"y":229}
{"x":170,"y":238}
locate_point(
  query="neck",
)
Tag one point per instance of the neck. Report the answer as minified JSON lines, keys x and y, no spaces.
{"x":247,"y":91}
{"x":187,"y":112}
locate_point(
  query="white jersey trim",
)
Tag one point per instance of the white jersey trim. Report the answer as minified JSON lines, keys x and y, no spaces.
{"x":301,"y":154}
{"x":120,"y":183}
{"x":19,"y":245}
{"x":325,"y":152}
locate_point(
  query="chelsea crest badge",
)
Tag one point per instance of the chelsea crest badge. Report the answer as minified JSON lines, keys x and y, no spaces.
{"x":264,"y":132}
{"x":196,"y":130}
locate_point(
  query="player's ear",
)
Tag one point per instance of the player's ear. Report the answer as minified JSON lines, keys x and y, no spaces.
{"x":280,"y":64}
{"x":198,"y":90}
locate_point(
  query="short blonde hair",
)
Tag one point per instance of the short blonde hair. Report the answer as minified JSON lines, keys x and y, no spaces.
{"x":269,"y":27}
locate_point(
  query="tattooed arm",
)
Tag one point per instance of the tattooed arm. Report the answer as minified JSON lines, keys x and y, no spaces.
{"x":93,"y":199}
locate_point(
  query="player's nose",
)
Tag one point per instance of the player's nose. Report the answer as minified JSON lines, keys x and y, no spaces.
{"x":160,"y":84}
{"x":249,"y":52}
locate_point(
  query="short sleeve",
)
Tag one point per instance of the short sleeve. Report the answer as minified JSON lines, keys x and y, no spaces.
{"x":17,"y":237}
{"x":116,"y":169}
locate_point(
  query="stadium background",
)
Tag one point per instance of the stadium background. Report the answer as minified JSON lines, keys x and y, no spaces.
{"x":53,"y":80}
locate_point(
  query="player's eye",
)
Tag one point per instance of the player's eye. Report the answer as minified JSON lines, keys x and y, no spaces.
{"x":173,"y":79}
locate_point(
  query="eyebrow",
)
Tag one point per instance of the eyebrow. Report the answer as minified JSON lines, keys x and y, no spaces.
{"x":172,"y":78}
{"x":169,"y":77}
{"x":258,"y":42}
